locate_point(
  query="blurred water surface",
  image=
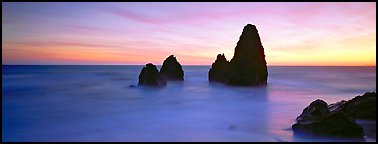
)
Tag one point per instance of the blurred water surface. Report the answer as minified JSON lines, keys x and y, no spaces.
{"x":95,"y":103}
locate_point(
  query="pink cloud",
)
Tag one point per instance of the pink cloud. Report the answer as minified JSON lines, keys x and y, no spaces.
{"x":186,"y":18}
{"x":194,"y":31}
{"x":128,"y":14}
{"x":77,"y":27}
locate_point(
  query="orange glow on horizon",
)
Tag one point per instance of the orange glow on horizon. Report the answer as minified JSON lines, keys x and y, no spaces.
{"x":292,"y":34}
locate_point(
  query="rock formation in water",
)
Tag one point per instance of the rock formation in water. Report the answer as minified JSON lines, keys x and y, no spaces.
{"x":219,"y":69}
{"x":360,"y":107}
{"x":172,"y":69}
{"x":316,"y":109}
{"x":247,"y":67}
{"x":150,"y":76}
{"x":317,"y":119}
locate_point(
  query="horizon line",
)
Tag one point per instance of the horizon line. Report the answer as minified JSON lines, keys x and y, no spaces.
{"x":182,"y":65}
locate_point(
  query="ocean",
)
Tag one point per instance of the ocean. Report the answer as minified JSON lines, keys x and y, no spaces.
{"x":95,"y":103}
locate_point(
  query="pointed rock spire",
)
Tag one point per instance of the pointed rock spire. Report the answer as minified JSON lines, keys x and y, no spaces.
{"x":172,"y":69}
{"x":248,"y":65}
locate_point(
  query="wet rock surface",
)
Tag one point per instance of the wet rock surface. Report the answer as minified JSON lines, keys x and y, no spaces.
{"x":362,"y":107}
{"x":317,"y":119}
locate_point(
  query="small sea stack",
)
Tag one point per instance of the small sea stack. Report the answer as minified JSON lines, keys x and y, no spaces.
{"x":220,"y":69}
{"x":248,"y":66}
{"x":172,"y":69}
{"x":150,"y":76}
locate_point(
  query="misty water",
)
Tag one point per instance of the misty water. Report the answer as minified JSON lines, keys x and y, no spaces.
{"x":95,"y":103}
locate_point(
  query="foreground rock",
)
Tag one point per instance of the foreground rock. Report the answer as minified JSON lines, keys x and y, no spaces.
{"x":360,"y":107}
{"x":172,"y":69}
{"x":317,"y":119}
{"x":150,"y":76}
{"x":248,"y":65}
{"x":316,"y":110}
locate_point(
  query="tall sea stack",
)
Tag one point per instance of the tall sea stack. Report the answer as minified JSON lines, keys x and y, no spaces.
{"x":247,"y":67}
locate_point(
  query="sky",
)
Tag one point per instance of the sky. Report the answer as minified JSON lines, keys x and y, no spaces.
{"x":131,"y":33}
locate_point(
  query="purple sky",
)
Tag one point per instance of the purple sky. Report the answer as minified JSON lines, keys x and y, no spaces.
{"x":138,"y":33}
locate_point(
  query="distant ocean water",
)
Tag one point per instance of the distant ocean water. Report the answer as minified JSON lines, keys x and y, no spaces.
{"x":95,"y":103}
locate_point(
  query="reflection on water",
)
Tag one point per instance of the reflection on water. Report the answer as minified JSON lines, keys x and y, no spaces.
{"x":94,"y":103}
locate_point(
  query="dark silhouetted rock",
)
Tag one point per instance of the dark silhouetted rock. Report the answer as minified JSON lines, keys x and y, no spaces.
{"x":317,"y":119}
{"x":247,"y":67}
{"x":360,"y":107}
{"x":317,"y":109}
{"x":219,"y":69}
{"x":172,"y":69}
{"x":337,"y":107}
{"x":335,"y":124}
{"x":363,"y":107}
{"x":150,"y":76}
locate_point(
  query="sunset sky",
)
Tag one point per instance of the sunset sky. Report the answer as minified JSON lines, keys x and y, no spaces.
{"x":138,"y":33}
